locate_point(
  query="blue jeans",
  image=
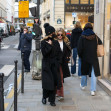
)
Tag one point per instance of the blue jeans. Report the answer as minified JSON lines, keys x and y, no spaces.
{"x":93,"y":80}
{"x":73,"y":68}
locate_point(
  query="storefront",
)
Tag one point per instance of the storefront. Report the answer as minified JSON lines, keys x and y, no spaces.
{"x":102,"y":27}
{"x":81,"y":8}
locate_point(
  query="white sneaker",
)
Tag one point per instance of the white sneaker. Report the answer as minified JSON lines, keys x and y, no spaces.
{"x":79,"y":77}
{"x":60,"y":98}
{"x":92,"y":93}
{"x":82,"y":87}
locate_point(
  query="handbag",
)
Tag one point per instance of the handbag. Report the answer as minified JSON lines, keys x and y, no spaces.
{"x":100,"y":49}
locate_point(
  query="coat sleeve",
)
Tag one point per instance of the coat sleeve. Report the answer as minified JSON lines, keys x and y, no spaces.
{"x":45,"y":48}
{"x":80,"y":47}
{"x":59,"y":53}
{"x":28,"y":36}
{"x":19,"y":46}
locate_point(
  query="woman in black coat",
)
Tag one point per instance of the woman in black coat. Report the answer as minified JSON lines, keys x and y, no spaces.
{"x":66,"y":53}
{"x":87,"y":50}
{"x":50,"y":65}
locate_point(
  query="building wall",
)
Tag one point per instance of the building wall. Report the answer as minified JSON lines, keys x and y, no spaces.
{"x":102,"y":28}
{"x":99,"y":23}
{"x":3,"y":8}
{"x":54,"y":8}
{"x":10,"y":10}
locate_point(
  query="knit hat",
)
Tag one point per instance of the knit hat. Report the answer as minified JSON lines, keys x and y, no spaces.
{"x":48,"y":29}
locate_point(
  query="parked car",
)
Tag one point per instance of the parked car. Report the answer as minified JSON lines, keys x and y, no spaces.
{"x":4,"y":30}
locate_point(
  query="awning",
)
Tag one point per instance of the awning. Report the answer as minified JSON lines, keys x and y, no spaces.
{"x":2,"y":21}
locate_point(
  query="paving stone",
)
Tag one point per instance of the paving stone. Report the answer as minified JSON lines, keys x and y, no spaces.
{"x":75,"y":99}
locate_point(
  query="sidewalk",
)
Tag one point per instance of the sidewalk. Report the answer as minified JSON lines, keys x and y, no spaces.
{"x":75,"y":98}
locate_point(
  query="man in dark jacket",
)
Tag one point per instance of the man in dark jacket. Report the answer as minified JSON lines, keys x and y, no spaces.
{"x":25,"y":47}
{"x":76,"y":33}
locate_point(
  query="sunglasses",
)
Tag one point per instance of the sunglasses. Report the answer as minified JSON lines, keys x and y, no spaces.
{"x":60,"y":35}
{"x":25,"y":30}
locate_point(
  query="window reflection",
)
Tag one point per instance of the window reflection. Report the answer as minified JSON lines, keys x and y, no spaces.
{"x":91,"y":1}
{"x":84,"y":1}
{"x":67,"y":1}
{"x":74,"y":1}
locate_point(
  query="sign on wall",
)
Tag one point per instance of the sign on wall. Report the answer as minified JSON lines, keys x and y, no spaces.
{"x":23,"y":9}
{"x":59,"y":21}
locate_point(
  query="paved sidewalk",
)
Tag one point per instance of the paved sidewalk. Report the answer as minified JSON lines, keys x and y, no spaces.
{"x":75,"y":98}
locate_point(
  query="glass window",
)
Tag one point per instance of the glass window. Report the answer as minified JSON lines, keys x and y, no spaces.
{"x":67,"y":1}
{"x":91,"y":1}
{"x":84,"y":2}
{"x":74,"y":1}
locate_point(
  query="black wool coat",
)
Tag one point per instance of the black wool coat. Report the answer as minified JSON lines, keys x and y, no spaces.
{"x":66,"y":53}
{"x":76,"y":33}
{"x":87,"y":51}
{"x":51,"y":65}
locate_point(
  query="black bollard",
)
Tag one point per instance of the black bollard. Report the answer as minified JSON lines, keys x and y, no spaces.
{"x":22,"y":80}
{"x":1,"y":92}
{"x":15,"y":87}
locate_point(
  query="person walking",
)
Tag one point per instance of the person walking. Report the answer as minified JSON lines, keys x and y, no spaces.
{"x":87,"y":50}
{"x":51,"y":61}
{"x":68,"y":35}
{"x":66,"y":53}
{"x":76,"y":33}
{"x":25,"y":47}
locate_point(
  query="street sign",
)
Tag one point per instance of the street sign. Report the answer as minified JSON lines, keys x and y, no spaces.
{"x":23,"y":9}
{"x":59,"y":21}
{"x":74,"y":14}
{"x":30,"y":24}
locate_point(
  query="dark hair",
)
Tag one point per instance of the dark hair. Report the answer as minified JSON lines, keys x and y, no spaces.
{"x":26,"y":28}
{"x":88,"y":26}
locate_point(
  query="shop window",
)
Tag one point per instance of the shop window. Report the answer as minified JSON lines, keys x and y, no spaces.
{"x":91,"y":1}
{"x":84,"y":2}
{"x":74,"y":1}
{"x":67,"y":1}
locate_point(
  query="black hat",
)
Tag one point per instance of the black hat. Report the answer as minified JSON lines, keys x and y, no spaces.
{"x":48,"y":29}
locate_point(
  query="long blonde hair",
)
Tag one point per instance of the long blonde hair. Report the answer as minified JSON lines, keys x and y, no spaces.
{"x":64,"y":34}
{"x":78,"y":24}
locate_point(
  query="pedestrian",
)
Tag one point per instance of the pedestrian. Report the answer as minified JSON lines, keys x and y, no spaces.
{"x":25,"y":47}
{"x":76,"y":33}
{"x":66,"y":53}
{"x":50,"y":65}
{"x":87,"y":50}
{"x":68,"y":35}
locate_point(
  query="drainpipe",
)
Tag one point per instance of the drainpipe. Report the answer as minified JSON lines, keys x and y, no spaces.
{"x":103,"y":37}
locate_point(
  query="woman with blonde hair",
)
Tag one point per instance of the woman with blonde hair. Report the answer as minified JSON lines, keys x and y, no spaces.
{"x":76,"y":33}
{"x":66,"y":53}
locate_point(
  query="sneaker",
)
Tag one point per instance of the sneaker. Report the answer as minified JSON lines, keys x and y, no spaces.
{"x":79,"y":77}
{"x":60,"y":98}
{"x":56,"y":95}
{"x":74,"y":75}
{"x":82,"y":87}
{"x":92,"y":93}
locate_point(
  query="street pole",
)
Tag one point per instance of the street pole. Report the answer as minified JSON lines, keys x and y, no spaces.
{"x":1,"y":92}
{"x":38,"y":9}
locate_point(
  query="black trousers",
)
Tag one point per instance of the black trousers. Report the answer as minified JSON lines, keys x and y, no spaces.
{"x":50,"y":94}
{"x":26,"y":59}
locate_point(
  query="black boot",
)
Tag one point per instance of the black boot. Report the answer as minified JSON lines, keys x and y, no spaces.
{"x":43,"y":100}
{"x":52,"y":104}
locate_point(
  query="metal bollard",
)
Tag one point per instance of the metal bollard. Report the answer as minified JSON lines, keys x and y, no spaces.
{"x":22,"y":80}
{"x":1,"y":92}
{"x":15,"y":87}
